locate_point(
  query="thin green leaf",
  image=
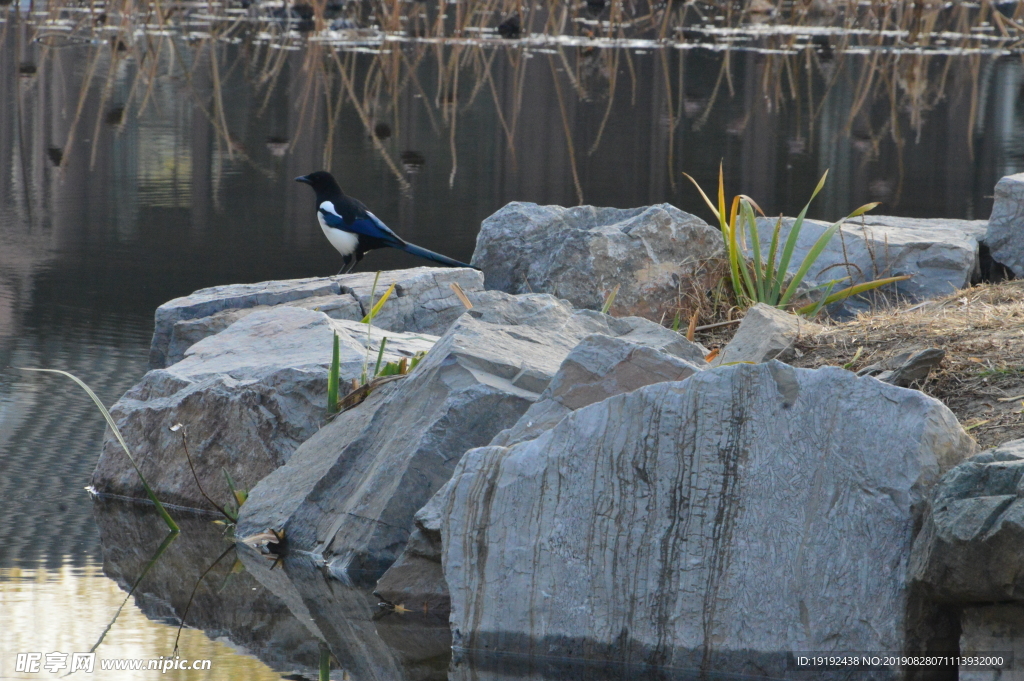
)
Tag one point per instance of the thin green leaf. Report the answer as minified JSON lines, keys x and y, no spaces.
{"x":863,"y":209}
{"x":117,"y":434}
{"x":855,"y":289}
{"x":809,"y":259}
{"x":794,"y":233}
{"x":380,"y":355}
{"x":333,"y":378}
{"x":755,"y":239}
{"x":705,"y":196}
{"x":610,"y":300}
{"x":770,"y":273}
{"x":375,"y":310}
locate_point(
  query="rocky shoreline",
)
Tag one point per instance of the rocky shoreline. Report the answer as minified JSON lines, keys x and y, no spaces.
{"x":561,"y":481}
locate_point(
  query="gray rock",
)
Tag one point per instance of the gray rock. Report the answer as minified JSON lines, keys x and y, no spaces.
{"x":969,"y":547}
{"x":907,"y":368}
{"x":993,"y":631}
{"x":350,"y":492}
{"x":766,"y":333}
{"x":1005,"y":233}
{"x":248,"y":396}
{"x":940,"y":255}
{"x":597,"y":368}
{"x":712,"y":523}
{"x":581,"y":254}
{"x":423,"y":301}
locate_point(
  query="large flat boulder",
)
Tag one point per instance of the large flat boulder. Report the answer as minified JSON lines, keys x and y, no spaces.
{"x":247,"y":396}
{"x":1005,"y":235}
{"x":941,"y":255}
{"x":349,"y":493}
{"x":716,"y":523}
{"x":969,"y":549}
{"x":581,"y":254}
{"x":423,"y":302}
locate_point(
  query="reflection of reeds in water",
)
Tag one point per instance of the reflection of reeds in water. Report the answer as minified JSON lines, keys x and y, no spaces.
{"x":895,"y":57}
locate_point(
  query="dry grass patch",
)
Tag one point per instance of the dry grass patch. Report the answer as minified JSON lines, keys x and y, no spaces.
{"x":981,"y":329}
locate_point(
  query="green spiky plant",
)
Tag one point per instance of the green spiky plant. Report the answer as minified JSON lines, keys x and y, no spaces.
{"x":764,"y":280}
{"x":168,"y":520}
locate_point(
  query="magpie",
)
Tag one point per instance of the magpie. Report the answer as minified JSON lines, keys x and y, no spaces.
{"x":353,"y":230}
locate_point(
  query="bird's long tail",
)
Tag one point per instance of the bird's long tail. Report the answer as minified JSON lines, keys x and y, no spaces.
{"x":430,"y":255}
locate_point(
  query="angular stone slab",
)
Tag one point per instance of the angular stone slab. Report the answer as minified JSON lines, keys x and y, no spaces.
{"x":715,"y":523}
{"x":1005,"y":235}
{"x":581,"y":254}
{"x":969,"y":549}
{"x":248,"y":397}
{"x":597,"y":368}
{"x":940,"y":255}
{"x":423,"y":301}
{"x":766,"y":333}
{"x":350,"y":492}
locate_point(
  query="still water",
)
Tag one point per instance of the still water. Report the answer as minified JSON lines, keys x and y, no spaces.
{"x":145,"y":156}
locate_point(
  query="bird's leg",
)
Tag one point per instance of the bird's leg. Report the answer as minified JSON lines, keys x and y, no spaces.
{"x":347,"y":265}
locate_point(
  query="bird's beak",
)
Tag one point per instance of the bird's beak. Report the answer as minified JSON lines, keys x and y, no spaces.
{"x":303,"y":179}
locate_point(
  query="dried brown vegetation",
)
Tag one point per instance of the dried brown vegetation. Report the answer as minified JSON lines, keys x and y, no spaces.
{"x":981,"y":329}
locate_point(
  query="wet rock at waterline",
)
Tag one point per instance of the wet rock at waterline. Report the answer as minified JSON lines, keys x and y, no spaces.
{"x":228,"y":603}
{"x":248,"y":397}
{"x":969,"y":549}
{"x":367,"y":643}
{"x":1005,"y":235}
{"x":717,"y":522}
{"x":940,"y":255}
{"x":766,"y":333}
{"x":653,"y":254}
{"x":423,"y":302}
{"x":995,"y":630}
{"x":350,"y":492}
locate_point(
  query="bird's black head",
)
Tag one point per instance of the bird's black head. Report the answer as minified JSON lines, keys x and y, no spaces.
{"x":324,"y":184}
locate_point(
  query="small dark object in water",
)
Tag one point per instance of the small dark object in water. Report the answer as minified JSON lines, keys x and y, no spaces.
{"x":303,"y":11}
{"x":101,"y":18}
{"x":823,"y":47}
{"x":27,"y":68}
{"x":412,"y":161}
{"x":115,"y":115}
{"x":56,"y":155}
{"x":343,"y":24}
{"x":510,"y":28}
{"x":382,"y":131}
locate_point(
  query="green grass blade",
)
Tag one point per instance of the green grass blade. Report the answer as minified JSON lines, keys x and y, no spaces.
{"x":380,"y":355}
{"x":854,"y":290}
{"x":743,"y":264}
{"x":771,"y":272}
{"x":809,"y":259}
{"x":610,"y":300}
{"x":705,"y":196}
{"x":794,"y":233}
{"x":117,"y":434}
{"x":333,"y":378}
{"x":375,"y":310}
{"x":755,"y":244}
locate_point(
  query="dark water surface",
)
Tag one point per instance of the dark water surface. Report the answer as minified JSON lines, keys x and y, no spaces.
{"x":137,"y":166}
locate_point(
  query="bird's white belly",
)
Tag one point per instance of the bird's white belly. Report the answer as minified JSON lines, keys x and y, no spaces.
{"x":344,"y":242}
